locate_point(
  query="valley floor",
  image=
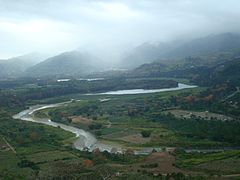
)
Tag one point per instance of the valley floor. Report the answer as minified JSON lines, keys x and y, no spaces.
{"x":180,"y":140}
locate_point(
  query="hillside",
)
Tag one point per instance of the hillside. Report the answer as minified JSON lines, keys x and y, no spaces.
{"x":68,"y":63}
{"x":208,"y":48}
{"x":145,"y":53}
{"x":205,"y":75}
{"x":15,"y":66}
{"x":207,"y":45}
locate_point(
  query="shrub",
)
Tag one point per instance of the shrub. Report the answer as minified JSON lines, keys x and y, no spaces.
{"x":146,"y":133}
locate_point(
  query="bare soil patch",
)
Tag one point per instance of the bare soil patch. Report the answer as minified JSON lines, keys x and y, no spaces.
{"x":81,"y":120}
{"x":163,"y":164}
{"x":135,"y":139}
{"x":205,"y":115}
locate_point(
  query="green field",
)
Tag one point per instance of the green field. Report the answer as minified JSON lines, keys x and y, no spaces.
{"x":130,"y":121}
{"x":226,"y":162}
{"x":125,"y":116}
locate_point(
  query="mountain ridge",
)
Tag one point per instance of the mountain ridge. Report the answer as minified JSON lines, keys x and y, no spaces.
{"x":213,"y":44}
{"x":67,"y":63}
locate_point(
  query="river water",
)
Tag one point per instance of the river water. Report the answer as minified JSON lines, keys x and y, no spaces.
{"x":144,"y":91}
{"x":86,"y":140}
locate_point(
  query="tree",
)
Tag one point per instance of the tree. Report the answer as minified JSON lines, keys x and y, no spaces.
{"x":34,"y":136}
{"x":146,"y":133}
{"x":129,"y":151}
{"x":105,"y":172}
{"x":87,"y":162}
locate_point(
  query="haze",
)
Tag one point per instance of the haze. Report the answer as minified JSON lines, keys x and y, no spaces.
{"x":108,"y":26}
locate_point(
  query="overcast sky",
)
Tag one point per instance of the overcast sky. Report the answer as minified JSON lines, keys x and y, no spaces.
{"x":61,"y":25}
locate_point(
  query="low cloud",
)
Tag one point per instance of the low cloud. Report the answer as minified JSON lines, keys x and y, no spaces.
{"x":60,"y":25}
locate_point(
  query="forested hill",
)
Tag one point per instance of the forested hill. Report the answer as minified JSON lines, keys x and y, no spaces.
{"x":207,"y":45}
{"x":68,"y":63}
{"x":207,"y":48}
{"x":14,"y":67}
{"x":224,"y":72}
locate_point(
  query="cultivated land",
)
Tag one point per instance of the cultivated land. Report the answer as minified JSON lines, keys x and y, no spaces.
{"x":204,"y":115}
{"x":118,"y":121}
{"x":168,"y":121}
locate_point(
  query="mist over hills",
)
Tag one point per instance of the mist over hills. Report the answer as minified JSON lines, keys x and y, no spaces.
{"x":207,"y":45}
{"x":144,"y":53}
{"x":16,"y":66}
{"x":67,"y":63}
{"x":213,"y":44}
{"x":202,"y":51}
{"x":119,"y":89}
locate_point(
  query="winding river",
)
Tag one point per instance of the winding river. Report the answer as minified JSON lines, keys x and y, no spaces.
{"x":85,"y":140}
{"x":145,"y":91}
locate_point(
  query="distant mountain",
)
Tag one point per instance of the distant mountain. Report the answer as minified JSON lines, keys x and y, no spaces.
{"x":227,"y":43}
{"x":207,"y":45}
{"x":14,"y":67}
{"x":223,"y":72}
{"x":145,"y":53}
{"x":206,"y":51}
{"x":68,"y":63}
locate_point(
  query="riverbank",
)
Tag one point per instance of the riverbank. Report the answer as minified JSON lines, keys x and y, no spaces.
{"x":86,"y":140}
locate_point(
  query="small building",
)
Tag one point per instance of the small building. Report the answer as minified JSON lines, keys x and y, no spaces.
{"x":3,"y":147}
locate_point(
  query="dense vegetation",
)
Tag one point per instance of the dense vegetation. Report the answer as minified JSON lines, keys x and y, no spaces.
{"x":197,"y":128}
{"x":42,"y":152}
{"x":40,"y":89}
{"x":151,"y":108}
{"x":131,"y":121}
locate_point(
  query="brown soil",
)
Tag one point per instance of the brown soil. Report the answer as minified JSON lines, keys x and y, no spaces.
{"x":206,"y":115}
{"x":164,"y":160}
{"x":81,"y":120}
{"x":135,"y":138}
